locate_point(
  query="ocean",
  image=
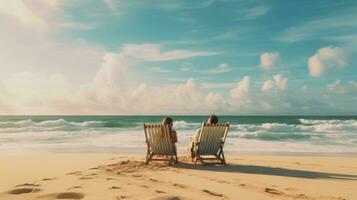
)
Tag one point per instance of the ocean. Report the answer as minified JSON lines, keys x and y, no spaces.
{"x":124,"y":134}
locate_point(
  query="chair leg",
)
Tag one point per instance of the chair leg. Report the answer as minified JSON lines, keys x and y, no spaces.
{"x":149,"y":158}
{"x":223,"y":159}
{"x":176,"y":159}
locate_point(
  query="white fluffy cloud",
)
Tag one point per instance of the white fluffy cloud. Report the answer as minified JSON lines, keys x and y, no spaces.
{"x":279,"y":82}
{"x":268,"y":85}
{"x":240,"y":94}
{"x":326,"y":58}
{"x":21,"y":12}
{"x":268,"y":60}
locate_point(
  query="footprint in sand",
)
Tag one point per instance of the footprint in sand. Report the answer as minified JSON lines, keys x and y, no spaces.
{"x":137,"y":175}
{"x":144,"y":186}
{"x":70,"y":195}
{"x":121,"y":197}
{"x":153,"y":180}
{"x":115,"y":187}
{"x":85,"y":178}
{"x":168,"y":198}
{"x":75,"y":173}
{"x":273,"y":191}
{"x":227,"y":182}
{"x":74,"y":187}
{"x":159,"y":191}
{"x":23,"y":190}
{"x":108,"y":179}
{"x":93,"y":168}
{"x":28,"y":184}
{"x":212,"y":193}
{"x":179,"y":185}
{"x":301,"y":196}
{"x":48,"y":179}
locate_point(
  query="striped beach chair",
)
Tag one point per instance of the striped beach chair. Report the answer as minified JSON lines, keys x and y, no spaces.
{"x":209,"y":145}
{"x":159,"y":143}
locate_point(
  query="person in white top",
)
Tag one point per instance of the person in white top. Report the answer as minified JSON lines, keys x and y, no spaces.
{"x":212,"y":119}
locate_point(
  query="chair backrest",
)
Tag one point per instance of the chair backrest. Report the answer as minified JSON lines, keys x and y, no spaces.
{"x":211,"y":137}
{"x":158,"y":138}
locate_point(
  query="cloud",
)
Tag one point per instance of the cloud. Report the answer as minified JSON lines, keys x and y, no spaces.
{"x":182,"y":5}
{"x":336,"y":87}
{"x":326,"y":58}
{"x":73,"y":25}
{"x":186,"y":66}
{"x":20,"y":11}
{"x":353,"y":83}
{"x":240,"y":94}
{"x":158,"y":69}
{"x":268,"y":85}
{"x":268,"y":60}
{"x":253,"y":12}
{"x":279,"y":83}
{"x":208,"y":85}
{"x":110,"y":4}
{"x":340,"y":25}
{"x":222,"y":68}
{"x":152,"y":52}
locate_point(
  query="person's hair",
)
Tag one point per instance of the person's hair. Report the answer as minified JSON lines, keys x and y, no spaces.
{"x":212,"y":119}
{"x":168,"y":121}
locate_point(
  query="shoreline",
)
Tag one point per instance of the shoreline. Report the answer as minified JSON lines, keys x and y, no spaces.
{"x":142,"y":153}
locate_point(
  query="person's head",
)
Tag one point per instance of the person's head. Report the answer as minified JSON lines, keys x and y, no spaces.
{"x":212,"y":119}
{"x":168,"y":121}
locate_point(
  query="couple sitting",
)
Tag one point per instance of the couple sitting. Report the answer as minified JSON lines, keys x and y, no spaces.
{"x":192,"y":148}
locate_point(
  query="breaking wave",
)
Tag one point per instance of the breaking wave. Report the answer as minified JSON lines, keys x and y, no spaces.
{"x":314,"y":134}
{"x":48,"y":125}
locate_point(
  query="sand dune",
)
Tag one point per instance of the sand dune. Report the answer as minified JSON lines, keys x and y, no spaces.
{"x":127,"y":177}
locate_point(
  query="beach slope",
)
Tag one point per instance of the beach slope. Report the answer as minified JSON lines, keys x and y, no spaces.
{"x":109,"y":176}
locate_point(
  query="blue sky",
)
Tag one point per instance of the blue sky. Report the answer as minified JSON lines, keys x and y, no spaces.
{"x":178,"y":57}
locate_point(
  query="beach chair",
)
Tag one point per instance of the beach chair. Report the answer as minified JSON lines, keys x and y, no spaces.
{"x":159,"y":143}
{"x":209,"y":145}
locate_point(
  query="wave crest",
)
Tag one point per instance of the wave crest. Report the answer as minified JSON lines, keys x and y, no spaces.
{"x":48,"y":125}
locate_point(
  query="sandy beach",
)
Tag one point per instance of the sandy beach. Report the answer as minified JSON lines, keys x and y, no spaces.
{"x":113,"y":176}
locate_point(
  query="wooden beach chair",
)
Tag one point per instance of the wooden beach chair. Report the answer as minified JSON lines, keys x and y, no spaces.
{"x":159,"y":143}
{"x":210,"y":143}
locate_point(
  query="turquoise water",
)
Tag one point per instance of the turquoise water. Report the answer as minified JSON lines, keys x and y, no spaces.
{"x":322,"y":134}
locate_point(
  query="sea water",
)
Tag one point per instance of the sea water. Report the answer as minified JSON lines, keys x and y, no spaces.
{"x":124,"y":134}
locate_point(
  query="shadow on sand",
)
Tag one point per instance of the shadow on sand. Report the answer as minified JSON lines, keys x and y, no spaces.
{"x":265,"y":170}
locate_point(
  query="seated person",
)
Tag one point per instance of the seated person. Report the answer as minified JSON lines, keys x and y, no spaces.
{"x":212,"y":119}
{"x":173,"y":133}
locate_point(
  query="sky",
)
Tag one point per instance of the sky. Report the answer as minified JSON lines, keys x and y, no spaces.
{"x":153,"y":57}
